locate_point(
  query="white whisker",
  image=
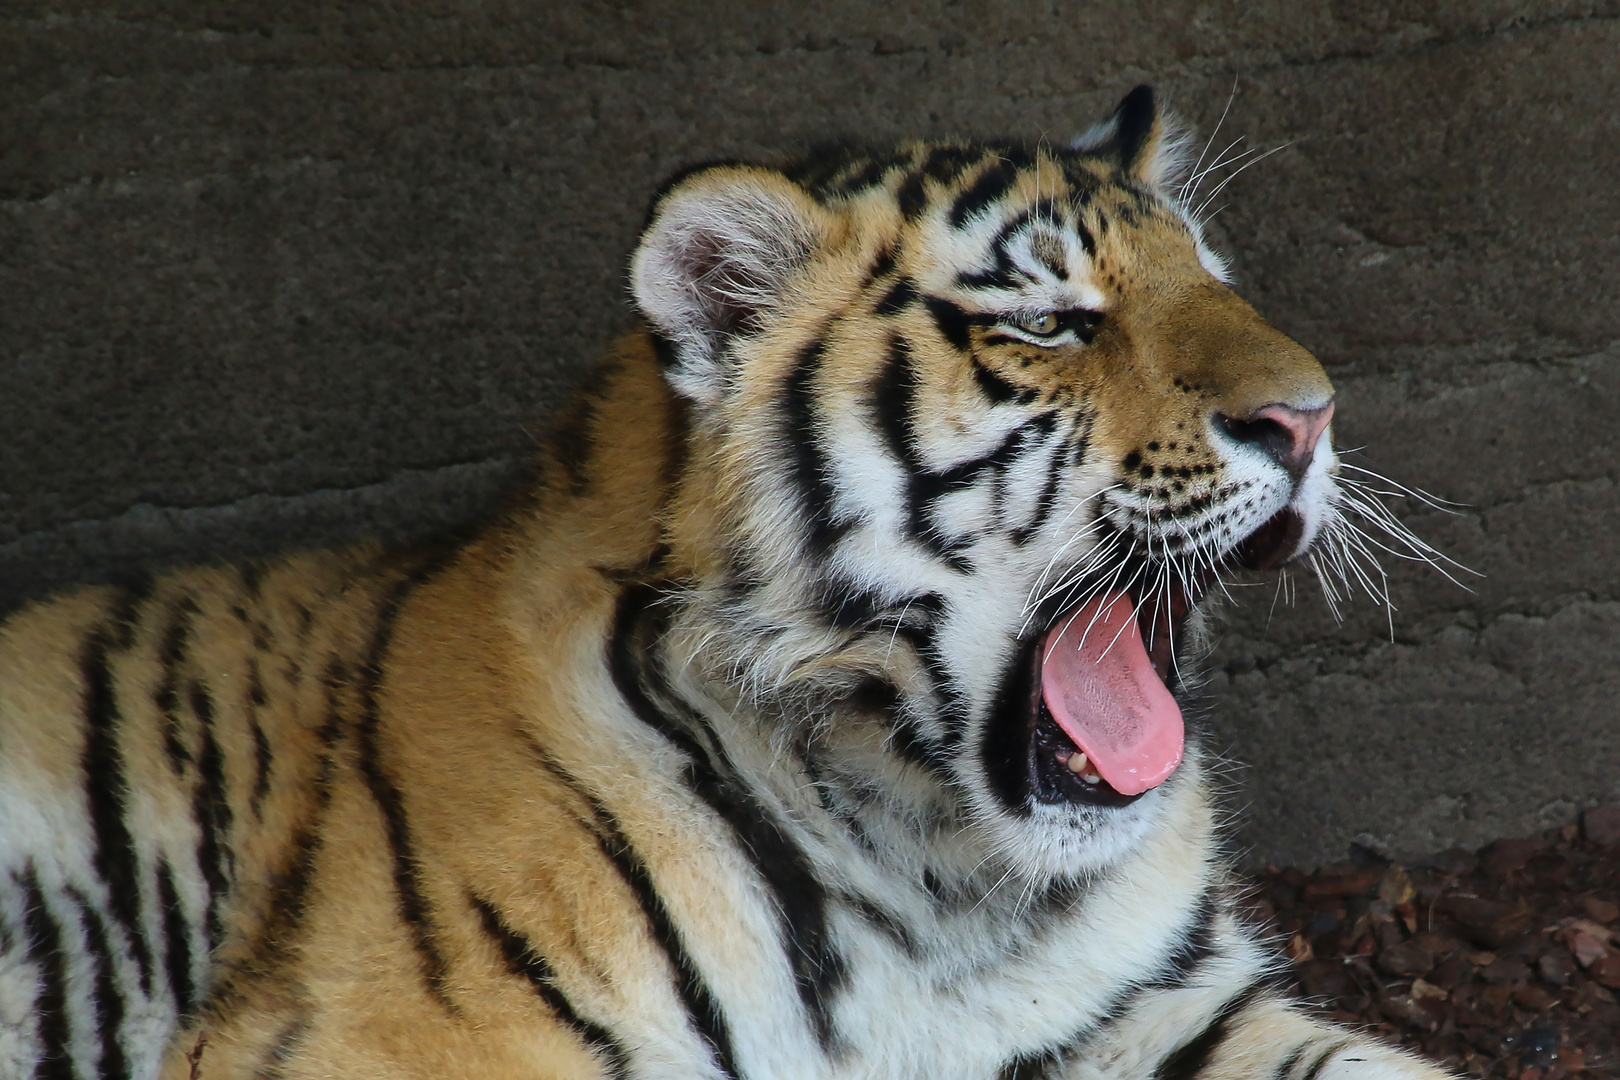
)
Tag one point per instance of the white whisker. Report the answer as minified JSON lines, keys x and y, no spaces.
{"x":1199,"y":213}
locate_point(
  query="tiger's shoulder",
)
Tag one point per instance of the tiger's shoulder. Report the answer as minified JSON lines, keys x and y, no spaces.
{"x":176,"y":750}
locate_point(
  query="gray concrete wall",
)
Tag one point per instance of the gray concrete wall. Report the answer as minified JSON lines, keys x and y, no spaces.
{"x":287,"y":273}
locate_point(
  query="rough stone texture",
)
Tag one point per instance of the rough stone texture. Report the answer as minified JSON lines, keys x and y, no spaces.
{"x":279,"y":274}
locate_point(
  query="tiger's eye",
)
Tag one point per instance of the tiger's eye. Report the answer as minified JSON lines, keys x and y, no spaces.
{"x":1046,"y":323}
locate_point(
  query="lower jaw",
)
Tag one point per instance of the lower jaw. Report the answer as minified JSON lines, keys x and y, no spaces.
{"x":1052,"y":780}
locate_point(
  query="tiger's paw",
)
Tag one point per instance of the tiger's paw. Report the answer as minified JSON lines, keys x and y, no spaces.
{"x":1366,"y":1060}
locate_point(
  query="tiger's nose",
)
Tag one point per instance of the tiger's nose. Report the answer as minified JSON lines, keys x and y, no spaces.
{"x":1287,"y":435}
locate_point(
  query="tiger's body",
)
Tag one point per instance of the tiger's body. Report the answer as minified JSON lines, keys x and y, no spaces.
{"x":721,"y":753}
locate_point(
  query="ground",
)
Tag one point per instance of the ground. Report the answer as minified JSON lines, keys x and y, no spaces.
{"x":1503,"y":962}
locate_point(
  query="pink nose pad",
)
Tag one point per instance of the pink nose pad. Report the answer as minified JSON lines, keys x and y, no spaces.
{"x":1288,"y":434}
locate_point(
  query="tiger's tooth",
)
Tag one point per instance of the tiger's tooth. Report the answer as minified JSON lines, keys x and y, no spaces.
{"x":1078,"y":762}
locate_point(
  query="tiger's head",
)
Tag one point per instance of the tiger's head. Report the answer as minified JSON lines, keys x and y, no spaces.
{"x":973,"y":427}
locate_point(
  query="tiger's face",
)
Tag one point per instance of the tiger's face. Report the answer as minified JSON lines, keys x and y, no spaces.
{"x":974,"y":428}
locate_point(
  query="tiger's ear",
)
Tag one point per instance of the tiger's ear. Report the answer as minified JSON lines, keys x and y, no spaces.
{"x":1145,"y":140}
{"x":719,"y":248}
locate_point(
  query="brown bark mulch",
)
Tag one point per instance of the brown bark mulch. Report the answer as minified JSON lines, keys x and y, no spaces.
{"x":1503,"y":962}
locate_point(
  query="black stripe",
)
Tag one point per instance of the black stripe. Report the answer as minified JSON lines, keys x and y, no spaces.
{"x":1046,"y":500}
{"x":212,"y":810}
{"x":1028,"y":1067}
{"x":892,"y":397}
{"x":414,"y":909}
{"x":171,"y":653}
{"x":901,"y":296}
{"x":177,"y":937}
{"x":907,"y":740}
{"x":669,"y":357}
{"x":102,"y":763}
{"x":524,"y":961}
{"x":273,"y":1066}
{"x":886,"y":921}
{"x":108,"y":1001}
{"x":927,"y":488}
{"x":701,"y":1007}
{"x":1003,"y":272}
{"x":882,"y":266}
{"x":912,"y":195}
{"x":840,"y":169}
{"x":818,"y":968}
{"x":866,"y":175}
{"x":1286,"y":1065}
{"x":953,"y":700}
{"x":287,"y":891}
{"x":572,"y":440}
{"x":252,"y":576}
{"x":1006,"y":745}
{"x":123,"y":615}
{"x":675,"y":445}
{"x":850,"y":606}
{"x":262,"y":756}
{"x":702,"y":1010}
{"x":45,"y":950}
{"x":306,"y":622}
{"x":1196,"y":946}
{"x":1083,"y":183}
{"x":1177,"y":969}
{"x":990,"y":185}
{"x":906,"y":737}
{"x":811,"y":470}
{"x":946,"y":163}
{"x":1321,"y":1062}
{"x":1018,"y":440}
{"x":994,"y":387}
{"x":1087,"y":241}
{"x":892,"y":400}
{"x":953,"y":322}
{"x":1018,"y":155}
{"x":1190,"y":1060}
{"x":822,"y":164}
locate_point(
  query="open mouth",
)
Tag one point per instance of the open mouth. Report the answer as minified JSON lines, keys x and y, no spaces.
{"x":1105,"y":727}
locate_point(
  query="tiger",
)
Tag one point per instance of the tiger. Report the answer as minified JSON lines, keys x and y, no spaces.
{"x":814,"y":710}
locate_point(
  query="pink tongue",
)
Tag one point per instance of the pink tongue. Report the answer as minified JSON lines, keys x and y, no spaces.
{"x":1102,"y":690}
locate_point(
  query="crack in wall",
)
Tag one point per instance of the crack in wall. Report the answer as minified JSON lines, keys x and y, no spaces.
{"x":395,"y":478}
{"x":1509,"y":28}
{"x":874,"y":46}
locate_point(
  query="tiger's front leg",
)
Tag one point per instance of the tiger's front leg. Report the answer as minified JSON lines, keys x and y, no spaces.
{"x":1263,"y":1038}
{"x":1275,"y":1038}
{"x":1230,"y":1022}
